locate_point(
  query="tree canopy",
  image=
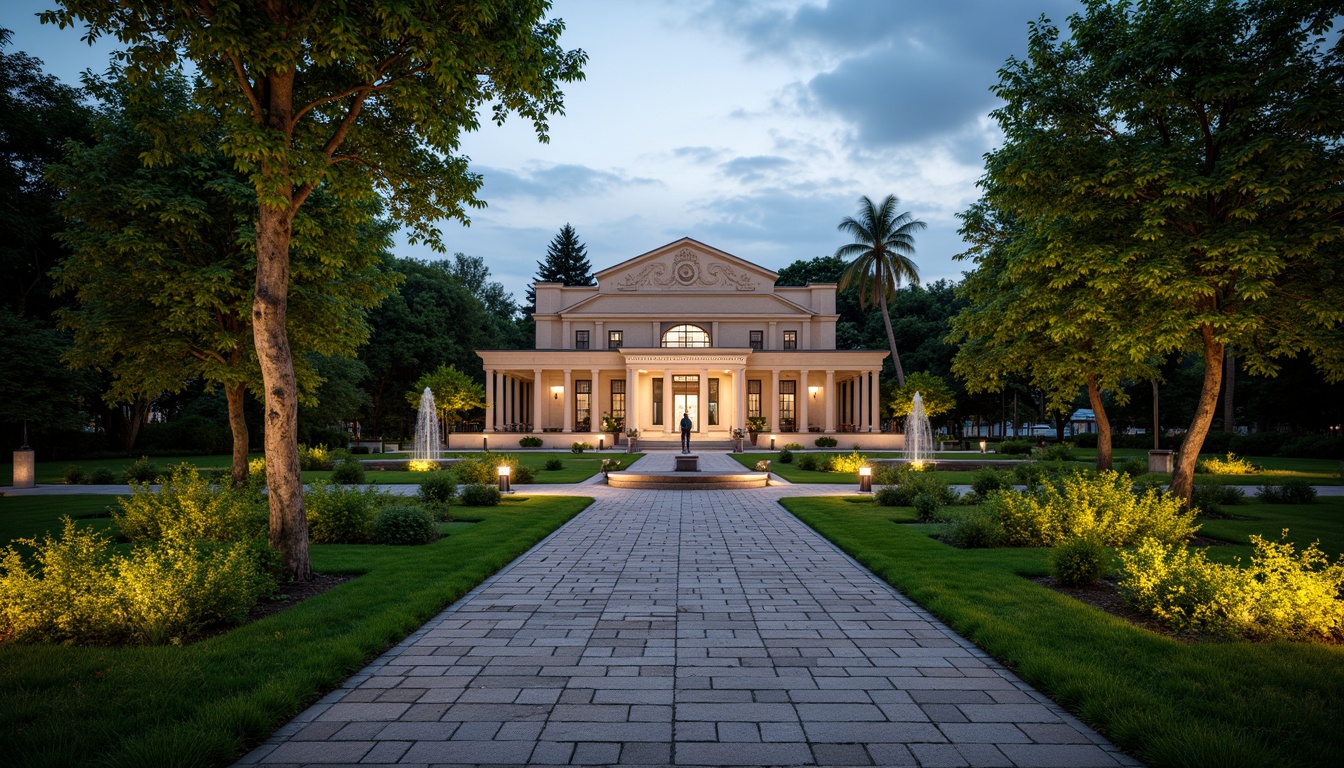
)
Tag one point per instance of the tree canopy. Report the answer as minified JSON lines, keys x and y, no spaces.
{"x":937,"y":396}
{"x":1183,"y":160}
{"x":456,"y":395}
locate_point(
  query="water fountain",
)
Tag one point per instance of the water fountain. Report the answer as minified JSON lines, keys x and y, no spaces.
{"x":918,"y":435}
{"x":426,"y":447}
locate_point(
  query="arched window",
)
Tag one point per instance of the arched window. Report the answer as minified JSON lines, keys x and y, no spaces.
{"x":686,"y":336}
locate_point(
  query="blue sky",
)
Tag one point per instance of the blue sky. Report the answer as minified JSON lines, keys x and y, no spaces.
{"x":753,"y":127}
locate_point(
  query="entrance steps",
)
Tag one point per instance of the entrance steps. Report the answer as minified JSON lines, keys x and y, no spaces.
{"x":645,"y":446}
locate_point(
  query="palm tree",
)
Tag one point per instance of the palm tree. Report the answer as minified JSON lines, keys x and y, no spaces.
{"x":884,"y":244}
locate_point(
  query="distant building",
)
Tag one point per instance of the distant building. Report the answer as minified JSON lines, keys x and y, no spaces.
{"x":685,"y":328}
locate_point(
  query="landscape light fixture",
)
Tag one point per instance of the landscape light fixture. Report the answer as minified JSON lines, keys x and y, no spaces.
{"x":555,"y":392}
{"x":504,"y":478}
{"x":772,"y":442}
{"x":485,"y":443}
{"x":601,"y":443}
{"x":865,"y":479}
{"x":983,"y":444}
{"x":813,"y":391}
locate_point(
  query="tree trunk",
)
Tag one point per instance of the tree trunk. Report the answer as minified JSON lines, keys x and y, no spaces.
{"x":1229,"y":390}
{"x":891,"y":339}
{"x":1183,"y":480}
{"x":238,"y":426}
{"x":1103,"y":424}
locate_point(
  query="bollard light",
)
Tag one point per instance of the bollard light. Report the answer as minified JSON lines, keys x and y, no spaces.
{"x":485,"y":442}
{"x":865,"y":479}
{"x":772,"y":442}
{"x":601,"y":442}
{"x":504,"y":479}
{"x":983,"y":445}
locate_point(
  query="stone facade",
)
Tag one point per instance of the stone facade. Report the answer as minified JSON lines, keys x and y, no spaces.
{"x":684,"y":328}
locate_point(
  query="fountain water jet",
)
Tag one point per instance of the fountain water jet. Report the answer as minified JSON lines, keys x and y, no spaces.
{"x":918,"y":435}
{"x":426,"y":446}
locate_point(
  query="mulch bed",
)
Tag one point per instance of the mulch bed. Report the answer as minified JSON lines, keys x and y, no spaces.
{"x":286,"y":596}
{"x":1104,"y":596}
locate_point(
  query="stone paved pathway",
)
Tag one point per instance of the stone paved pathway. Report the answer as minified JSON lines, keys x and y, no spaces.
{"x":685,"y":628}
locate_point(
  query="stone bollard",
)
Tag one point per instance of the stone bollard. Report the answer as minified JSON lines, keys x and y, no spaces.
{"x":25,"y":469}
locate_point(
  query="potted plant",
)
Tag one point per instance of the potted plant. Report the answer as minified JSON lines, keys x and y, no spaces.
{"x":755,"y":426}
{"x":614,"y":425}
{"x":738,"y":435}
{"x":631,"y":439}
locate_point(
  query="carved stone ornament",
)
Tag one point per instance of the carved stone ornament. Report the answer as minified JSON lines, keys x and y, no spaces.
{"x":686,"y":273}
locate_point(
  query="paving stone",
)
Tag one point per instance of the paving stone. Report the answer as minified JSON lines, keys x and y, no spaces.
{"x":709,"y":753}
{"x":1058,"y":755}
{"x":646,"y":753}
{"x":841,"y":754}
{"x":319,"y":752}
{"x":588,"y":753}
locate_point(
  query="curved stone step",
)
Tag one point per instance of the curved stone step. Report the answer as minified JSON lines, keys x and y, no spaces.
{"x":688,"y":481}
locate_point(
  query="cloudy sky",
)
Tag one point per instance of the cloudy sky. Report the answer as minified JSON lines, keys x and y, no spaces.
{"x":751,"y":126}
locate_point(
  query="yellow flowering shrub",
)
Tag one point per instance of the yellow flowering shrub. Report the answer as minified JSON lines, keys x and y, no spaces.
{"x":1232,"y":465}
{"x":1103,"y":507}
{"x":422,"y":465}
{"x":849,"y":463}
{"x":1281,"y":595}
{"x":192,"y":508}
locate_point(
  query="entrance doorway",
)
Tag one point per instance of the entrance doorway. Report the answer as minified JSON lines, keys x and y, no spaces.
{"x":686,"y":399}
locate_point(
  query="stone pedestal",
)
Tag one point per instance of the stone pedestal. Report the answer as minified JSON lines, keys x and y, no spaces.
{"x":25,"y":469}
{"x":1160,"y":461}
{"x":687,"y":462}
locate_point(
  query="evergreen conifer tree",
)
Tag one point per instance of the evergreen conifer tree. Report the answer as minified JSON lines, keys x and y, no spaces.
{"x":566,"y":262}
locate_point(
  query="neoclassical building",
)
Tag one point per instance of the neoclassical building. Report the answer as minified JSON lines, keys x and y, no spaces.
{"x":685,"y":328}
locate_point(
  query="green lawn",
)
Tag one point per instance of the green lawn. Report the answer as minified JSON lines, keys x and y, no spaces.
{"x":28,"y":517}
{"x":207,"y":703}
{"x":1166,"y":702}
{"x":1322,"y":521}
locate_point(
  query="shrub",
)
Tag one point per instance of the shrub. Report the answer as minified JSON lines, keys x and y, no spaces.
{"x":478,"y":495}
{"x":257,"y":468}
{"x":190,"y":508}
{"x":1103,"y":507}
{"x":102,"y":476}
{"x":484,"y":468}
{"x":529,"y":442}
{"x":554,"y":465}
{"x":1059,"y":452}
{"x":1016,"y":447}
{"x":825,"y":442}
{"x":1085,"y":440}
{"x":793,"y":446}
{"x":317,"y":459}
{"x":1132,"y":466}
{"x":808,"y":462}
{"x":912,"y":484}
{"x":580,"y":447}
{"x":440,"y":487}
{"x":1291,"y":492}
{"x":404,"y":524}
{"x":1079,"y":562}
{"x":359,"y":450}
{"x":141,"y":471}
{"x":886,"y":474}
{"x":976,"y":528}
{"x":423,"y":465}
{"x":889,"y":496}
{"x":848,"y":463}
{"x":786,"y":456}
{"x":338,"y":515}
{"x":986,"y":481}
{"x":74,"y":474}
{"x":1036,"y":473}
{"x":348,"y":472}
{"x":926,"y":506}
{"x":1232,"y":465}
{"x":1281,"y":595}
{"x":1210,"y":499}
{"x":81,"y":590}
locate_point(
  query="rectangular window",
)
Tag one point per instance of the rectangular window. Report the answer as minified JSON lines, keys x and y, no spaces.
{"x":788,"y":398}
{"x":583,"y":405}
{"x":614,"y":339}
{"x":580,"y":339}
{"x":713,"y":402}
{"x":758,"y":340}
{"x":753,"y":398}
{"x":790,"y":339}
{"x":618,"y":400}
{"x":658,"y":400}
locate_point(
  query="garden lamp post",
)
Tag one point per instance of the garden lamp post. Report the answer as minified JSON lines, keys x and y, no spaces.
{"x":865,"y":479}
{"x":504,"y":479}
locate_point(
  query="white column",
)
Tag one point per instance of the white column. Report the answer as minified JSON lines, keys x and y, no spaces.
{"x":491,"y":413}
{"x":566,"y":405}
{"x":595,"y":400}
{"x":669,"y":413}
{"x":506,"y":400}
{"x":774,"y":394}
{"x":831,"y":401}
{"x":803,"y":396}
{"x":875,"y":418}
{"x":859,"y":400}
{"x":740,"y":392}
{"x":704,"y":400}
{"x":536,"y":399}
{"x":631,"y":399}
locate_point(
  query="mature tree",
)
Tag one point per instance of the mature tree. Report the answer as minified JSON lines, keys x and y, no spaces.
{"x":456,"y":395}
{"x":884,"y":244}
{"x":339,"y":399}
{"x":937,"y":396}
{"x":1185,"y":158}
{"x":162,"y":257}
{"x":1027,"y":317}
{"x":566,"y":262}
{"x":338,"y":95}
{"x":38,"y":114}
{"x":501,"y":312}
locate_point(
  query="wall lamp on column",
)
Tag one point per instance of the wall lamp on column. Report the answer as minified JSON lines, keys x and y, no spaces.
{"x":813,"y":391}
{"x":556,"y":392}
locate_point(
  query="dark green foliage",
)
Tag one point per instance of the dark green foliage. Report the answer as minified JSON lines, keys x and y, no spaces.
{"x":1132,"y":466}
{"x":1210,"y":499}
{"x":988,"y":480}
{"x":825,"y":442}
{"x":350,"y":472}
{"x":808,"y":462}
{"x":580,"y":447}
{"x":478,"y":495}
{"x":74,"y":474}
{"x":1059,"y":452}
{"x":404,"y":524}
{"x":530,"y":442}
{"x":1016,"y":447}
{"x":1079,"y":562}
{"x":438,"y":487}
{"x":913,"y":484}
{"x":105,"y":476}
{"x":887,"y":474}
{"x":786,"y":456}
{"x":889,"y":496}
{"x":142,"y":471}
{"x":554,"y":465}
{"x":338,"y":515}
{"x":566,"y":262}
{"x":1291,"y":492}
{"x":976,"y":528}
{"x":926,"y":506}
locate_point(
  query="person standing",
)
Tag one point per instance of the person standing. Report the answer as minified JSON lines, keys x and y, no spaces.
{"x":686,"y":432}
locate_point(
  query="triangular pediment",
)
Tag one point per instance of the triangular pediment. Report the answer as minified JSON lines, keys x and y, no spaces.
{"x":686,"y":266}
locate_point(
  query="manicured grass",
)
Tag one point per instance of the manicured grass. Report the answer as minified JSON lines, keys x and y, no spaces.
{"x":793,"y":474}
{"x":53,"y":472}
{"x":206,"y":704}
{"x":28,"y":517}
{"x":1274,"y":470}
{"x":1321,"y":521}
{"x":1166,"y":702}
